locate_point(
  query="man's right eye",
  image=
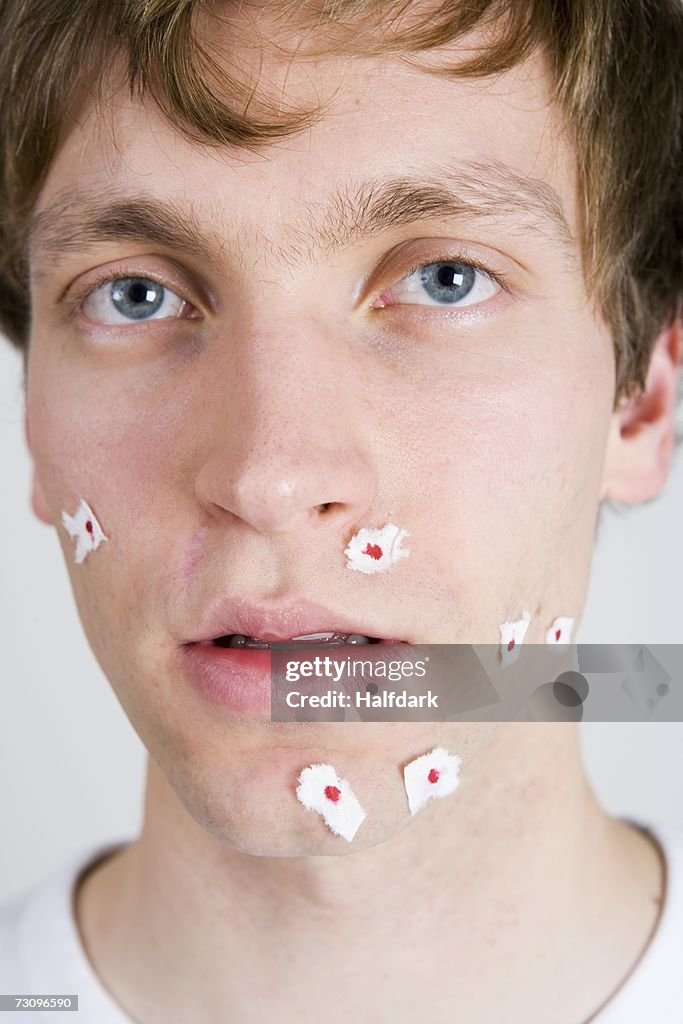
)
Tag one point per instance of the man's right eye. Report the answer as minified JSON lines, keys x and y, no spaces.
{"x":125,"y":300}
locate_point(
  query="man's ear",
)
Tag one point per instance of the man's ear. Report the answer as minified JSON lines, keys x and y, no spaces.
{"x":642,"y":431}
{"x":38,"y":502}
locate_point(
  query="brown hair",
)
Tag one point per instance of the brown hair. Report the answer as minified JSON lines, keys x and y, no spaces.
{"x":617,"y":76}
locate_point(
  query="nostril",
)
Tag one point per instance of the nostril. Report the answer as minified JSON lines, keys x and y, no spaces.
{"x":324,"y":506}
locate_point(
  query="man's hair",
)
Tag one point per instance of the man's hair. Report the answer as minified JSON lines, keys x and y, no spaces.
{"x":617,"y":76}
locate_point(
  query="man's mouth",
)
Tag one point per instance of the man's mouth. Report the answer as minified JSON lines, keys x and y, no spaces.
{"x":230,"y":660}
{"x":330,"y":639}
{"x":237,"y":624}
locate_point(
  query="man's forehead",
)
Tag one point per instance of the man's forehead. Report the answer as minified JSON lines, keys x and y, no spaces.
{"x":414,"y":147}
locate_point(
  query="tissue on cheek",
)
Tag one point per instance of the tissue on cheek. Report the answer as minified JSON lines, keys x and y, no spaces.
{"x":371,"y":551}
{"x":84,"y":528}
{"x":320,"y":789}
{"x":512,"y":637}
{"x":560,"y":632}
{"x":430,"y":776}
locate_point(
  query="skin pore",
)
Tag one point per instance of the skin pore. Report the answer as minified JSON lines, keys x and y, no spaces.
{"x":209,"y":438}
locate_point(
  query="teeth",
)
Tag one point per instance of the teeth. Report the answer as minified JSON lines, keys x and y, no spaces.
{"x":328,"y":639}
{"x":314,"y":636}
{"x":237,"y":640}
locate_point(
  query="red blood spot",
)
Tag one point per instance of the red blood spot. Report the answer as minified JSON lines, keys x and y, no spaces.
{"x":88,"y":526}
{"x":558,"y":634}
{"x":374,"y":550}
{"x":511,"y":645}
{"x":332,"y":793}
{"x":433,"y":775}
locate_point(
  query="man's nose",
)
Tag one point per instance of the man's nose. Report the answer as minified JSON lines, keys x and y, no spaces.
{"x":286,"y":448}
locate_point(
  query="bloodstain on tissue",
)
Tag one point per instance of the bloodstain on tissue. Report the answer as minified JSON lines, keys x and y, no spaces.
{"x":88,"y":526}
{"x":374,"y":550}
{"x":433,"y":775}
{"x":558,"y":634}
{"x":511,"y":644}
{"x":332,"y":793}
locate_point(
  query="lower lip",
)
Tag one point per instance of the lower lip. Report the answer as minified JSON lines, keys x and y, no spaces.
{"x":232,"y":677}
{"x":240,"y":679}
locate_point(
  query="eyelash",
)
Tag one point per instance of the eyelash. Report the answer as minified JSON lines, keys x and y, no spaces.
{"x":115,"y":275}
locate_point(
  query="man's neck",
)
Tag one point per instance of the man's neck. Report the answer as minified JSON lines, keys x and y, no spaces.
{"x":515,"y":891}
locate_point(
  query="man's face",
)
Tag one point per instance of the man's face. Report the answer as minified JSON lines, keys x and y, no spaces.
{"x":231,"y":445}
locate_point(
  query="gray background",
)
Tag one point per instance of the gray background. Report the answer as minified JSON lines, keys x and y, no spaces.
{"x":71,"y":767}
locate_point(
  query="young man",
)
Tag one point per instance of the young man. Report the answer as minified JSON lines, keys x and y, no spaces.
{"x":300,"y":282}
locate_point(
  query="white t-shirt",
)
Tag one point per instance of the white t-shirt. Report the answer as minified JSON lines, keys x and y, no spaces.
{"x":41,"y":950}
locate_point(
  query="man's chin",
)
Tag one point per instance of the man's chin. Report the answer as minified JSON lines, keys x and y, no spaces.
{"x":253,"y":807}
{"x":261,"y":839}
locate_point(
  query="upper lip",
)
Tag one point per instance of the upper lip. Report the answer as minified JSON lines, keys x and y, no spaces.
{"x":277,"y":623}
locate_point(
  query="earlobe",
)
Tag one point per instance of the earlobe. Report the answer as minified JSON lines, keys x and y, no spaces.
{"x":641,"y":437}
{"x":38,"y":502}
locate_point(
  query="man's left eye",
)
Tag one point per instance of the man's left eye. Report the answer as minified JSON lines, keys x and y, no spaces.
{"x":126,"y":300}
{"x":445,"y":283}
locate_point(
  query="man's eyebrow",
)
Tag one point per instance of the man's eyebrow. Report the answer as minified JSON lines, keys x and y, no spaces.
{"x":468,"y":191}
{"x":357,"y":211}
{"x":79,"y":221}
